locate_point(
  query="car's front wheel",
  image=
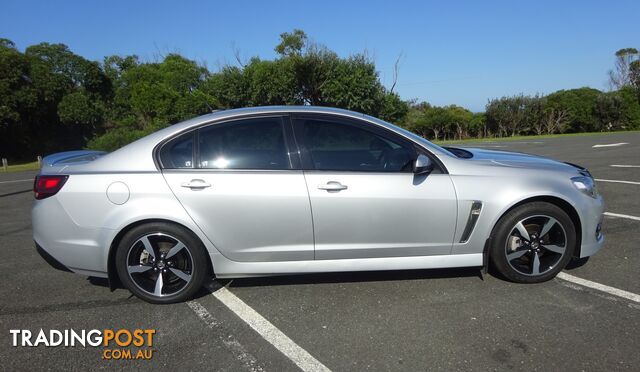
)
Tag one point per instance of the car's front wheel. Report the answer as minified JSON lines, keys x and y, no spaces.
{"x":533,"y":242}
{"x":161,"y":262}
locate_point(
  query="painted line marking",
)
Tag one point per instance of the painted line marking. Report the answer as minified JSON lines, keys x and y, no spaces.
{"x":624,"y":166}
{"x":611,"y":145}
{"x":203,"y":313}
{"x":618,"y":181}
{"x":491,"y":146}
{"x":600,"y":287}
{"x":618,"y":215}
{"x":269,"y":332}
{"x":14,"y":181}
{"x":240,"y":353}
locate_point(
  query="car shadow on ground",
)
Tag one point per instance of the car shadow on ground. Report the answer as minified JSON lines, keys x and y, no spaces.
{"x":212,"y":285}
{"x":576,"y":263}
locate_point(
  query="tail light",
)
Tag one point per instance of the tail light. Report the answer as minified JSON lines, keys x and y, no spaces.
{"x":46,"y":186}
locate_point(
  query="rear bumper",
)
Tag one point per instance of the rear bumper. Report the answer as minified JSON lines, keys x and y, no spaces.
{"x":66,"y":245}
{"x":50,"y":259}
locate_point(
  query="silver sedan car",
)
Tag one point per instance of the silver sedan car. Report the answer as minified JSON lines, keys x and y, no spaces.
{"x":290,"y":190}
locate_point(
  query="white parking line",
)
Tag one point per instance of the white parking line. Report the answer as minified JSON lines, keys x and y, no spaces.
{"x":624,"y":166}
{"x":240,"y":353}
{"x":611,"y":145}
{"x":269,"y":332}
{"x":203,"y":313}
{"x":14,"y":181}
{"x":600,"y":287}
{"x":618,"y":181}
{"x":618,"y":215}
{"x":492,"y":146}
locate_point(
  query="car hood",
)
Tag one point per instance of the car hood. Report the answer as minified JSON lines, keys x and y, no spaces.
{"x":518,"y":160}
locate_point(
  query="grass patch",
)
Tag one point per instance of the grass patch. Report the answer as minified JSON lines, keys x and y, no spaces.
{"x":543,"y":136}
{"x":20,"y":167}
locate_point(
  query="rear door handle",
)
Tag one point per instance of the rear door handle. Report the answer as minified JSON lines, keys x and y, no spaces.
{"x":332,"y":186}
{"x":196,"y":184}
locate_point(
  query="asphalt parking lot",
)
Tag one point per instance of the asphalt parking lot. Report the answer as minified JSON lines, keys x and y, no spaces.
{"x":411,"y":320}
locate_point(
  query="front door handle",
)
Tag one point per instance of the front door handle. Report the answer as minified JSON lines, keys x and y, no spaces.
{"x":196,"y":184}
{"x":332,"y":186}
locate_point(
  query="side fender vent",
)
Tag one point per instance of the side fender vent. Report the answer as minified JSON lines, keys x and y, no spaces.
{"x":474,"y":213}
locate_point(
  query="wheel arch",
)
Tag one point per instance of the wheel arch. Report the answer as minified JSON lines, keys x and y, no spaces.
{"x":112,"y":275}
{"x":557,"y":201}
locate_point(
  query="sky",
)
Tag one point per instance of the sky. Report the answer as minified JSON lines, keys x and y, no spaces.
{"x":451,"y":52}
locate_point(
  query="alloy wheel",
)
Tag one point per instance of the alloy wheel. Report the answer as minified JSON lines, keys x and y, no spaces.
{"x":535,"y":245}
{"x":160,"y":264}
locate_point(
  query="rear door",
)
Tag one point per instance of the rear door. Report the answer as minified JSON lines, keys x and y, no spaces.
{"x":240,"y":185}
{"x":366,"y":201}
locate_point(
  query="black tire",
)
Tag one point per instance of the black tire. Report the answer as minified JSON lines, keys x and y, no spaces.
{"x":533,"y":216}
{"x":192,"y":258}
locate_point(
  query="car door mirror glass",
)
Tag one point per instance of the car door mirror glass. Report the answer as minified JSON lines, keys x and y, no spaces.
{"x":422,"y":165}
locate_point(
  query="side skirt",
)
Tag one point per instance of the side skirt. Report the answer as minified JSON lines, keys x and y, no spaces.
{"x":227,"y":269}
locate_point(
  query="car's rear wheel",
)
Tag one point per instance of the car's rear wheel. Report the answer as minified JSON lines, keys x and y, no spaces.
{"x":533,"y":242}
{"x":161,"y":262}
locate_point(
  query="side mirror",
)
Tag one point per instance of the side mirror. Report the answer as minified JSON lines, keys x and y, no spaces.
{"x":422,"y":165}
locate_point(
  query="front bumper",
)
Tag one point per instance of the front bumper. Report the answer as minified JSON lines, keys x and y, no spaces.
{"x":591,"y":217}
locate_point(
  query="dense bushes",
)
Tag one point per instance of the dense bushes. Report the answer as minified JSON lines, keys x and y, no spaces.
{"x":565,"y":111}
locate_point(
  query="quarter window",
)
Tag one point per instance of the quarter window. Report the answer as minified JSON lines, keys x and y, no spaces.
{"x":178,"y":153}
{"x":244,"y":144}
{"x":344,"y":147}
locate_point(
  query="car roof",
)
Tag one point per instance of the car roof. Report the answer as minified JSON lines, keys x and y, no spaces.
{"x":221,"y":114}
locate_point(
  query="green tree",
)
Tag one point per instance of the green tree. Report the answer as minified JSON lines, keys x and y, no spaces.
{"x":507,"y":115}
{"x":580,"y":105}
{"x":291,"y":43}
{"x":478,"y":125}
{"x":306,"y":73}
{"x":39,"y":85}
{"x":622,"y":74}
{"x":17,"y":99}
{"x":630,"y":108}
{"x":609,"y":111}
{"x":151,"y":96}
{"x":634,"y":74}
{"x":229,"y":88}
{"x":272,"y":82}
{"x":80,"y":109}
{"x":438,"y":122}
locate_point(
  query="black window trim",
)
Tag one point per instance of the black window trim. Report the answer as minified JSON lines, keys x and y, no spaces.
{"x":307,"y":163}
{"x":293,"y":152}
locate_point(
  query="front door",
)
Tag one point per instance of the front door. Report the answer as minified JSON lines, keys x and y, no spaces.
{"x":366,"y":201}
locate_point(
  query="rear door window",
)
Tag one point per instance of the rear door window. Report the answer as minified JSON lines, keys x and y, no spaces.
{"x":256,"y":143}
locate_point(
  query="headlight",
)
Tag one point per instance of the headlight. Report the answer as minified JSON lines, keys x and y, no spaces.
{"x":586,"y":185}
